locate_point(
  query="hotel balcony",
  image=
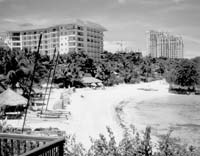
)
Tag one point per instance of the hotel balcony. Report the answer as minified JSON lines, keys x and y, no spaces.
{"x":27,"y":145}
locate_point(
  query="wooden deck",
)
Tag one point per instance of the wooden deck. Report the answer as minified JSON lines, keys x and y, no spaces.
{"x":26,"y":145}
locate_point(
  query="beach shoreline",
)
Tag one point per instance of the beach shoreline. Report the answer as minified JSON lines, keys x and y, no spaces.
{"x":93,"y":110}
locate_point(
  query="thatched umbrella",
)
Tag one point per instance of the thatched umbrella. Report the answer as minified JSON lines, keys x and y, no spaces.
{"x":11,"y":101}
{"x":11,"y":98}
{"x":90,"y":80}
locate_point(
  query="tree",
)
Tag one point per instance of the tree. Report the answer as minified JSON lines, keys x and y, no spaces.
{"x":184,"y":74}
{"x":72,"y":67}
{"x":18,"y":68}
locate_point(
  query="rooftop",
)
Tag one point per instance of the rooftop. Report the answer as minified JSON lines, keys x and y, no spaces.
{"x":88,"y":79}
{"x":71,"y":21}
{"x":164,"y":33}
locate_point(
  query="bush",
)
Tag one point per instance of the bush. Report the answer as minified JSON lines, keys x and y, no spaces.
{"x":132,"y":144}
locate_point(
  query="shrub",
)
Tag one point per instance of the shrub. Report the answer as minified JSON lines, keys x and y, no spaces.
{"x":132,"y":144}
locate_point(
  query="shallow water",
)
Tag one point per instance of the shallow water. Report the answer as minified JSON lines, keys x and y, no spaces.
{"x":179,"y":112}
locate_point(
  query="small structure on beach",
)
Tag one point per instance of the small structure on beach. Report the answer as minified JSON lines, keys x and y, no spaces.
{"x":12,"y":104}
{"x":90,"y":81}
{"x":177,"y":89}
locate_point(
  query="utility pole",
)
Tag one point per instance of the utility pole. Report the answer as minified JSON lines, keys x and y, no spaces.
{"x":32,"y":79}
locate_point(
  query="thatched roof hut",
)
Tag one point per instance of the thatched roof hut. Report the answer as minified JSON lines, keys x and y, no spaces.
{"x":11,"y":101}
{"x":11,"y":98}
{"x":90,"y":80}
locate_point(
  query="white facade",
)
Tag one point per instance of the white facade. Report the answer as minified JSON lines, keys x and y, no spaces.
{"x":161,"y":44}
{"x":76,"y":36}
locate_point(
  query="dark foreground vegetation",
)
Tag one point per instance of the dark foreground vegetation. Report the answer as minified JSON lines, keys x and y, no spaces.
{"x":132,"y":144}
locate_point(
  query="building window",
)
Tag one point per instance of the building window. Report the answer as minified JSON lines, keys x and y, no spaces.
{"x":80,"y":33}
{"x":71,"y":32}
{"x":71,"y":38}
{"x":16,"y":44}
{"x":80,"y":44}
{"x":72,"y":43}
{"x":80,"y":28}
{"x":72,"y":49}
{"x":15,"y":38}
{"x":16,"y":34}
{"x":80,"y":39}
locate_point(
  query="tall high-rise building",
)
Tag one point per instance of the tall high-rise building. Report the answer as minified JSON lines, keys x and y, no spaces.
{"x":74,"y":36}
{"x":162,"y":44}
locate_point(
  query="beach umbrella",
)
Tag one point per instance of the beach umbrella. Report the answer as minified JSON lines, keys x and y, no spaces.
{"x":90,"y":80}
{"x":11,"y":98}
{"x":93,"y":84}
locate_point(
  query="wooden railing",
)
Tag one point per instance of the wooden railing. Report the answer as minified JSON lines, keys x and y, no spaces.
{"x":25,"y":145}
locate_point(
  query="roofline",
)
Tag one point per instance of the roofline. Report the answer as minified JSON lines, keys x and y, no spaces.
{"x":165,"y":33}
{"x":78,"y":22}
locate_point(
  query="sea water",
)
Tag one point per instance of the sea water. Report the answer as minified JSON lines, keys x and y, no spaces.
{"x":181,"y":113}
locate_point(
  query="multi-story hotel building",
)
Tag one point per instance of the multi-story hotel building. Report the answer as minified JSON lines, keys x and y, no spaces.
{"x":74,"y":36}
{"x":162,"y":44}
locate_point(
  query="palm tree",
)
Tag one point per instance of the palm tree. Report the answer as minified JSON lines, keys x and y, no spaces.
{"x":18,"y":69}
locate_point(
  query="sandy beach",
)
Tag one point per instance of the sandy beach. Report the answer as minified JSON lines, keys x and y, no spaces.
{"x":93,"y":110}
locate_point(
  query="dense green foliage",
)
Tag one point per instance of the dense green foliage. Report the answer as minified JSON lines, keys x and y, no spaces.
{"x":72,"y":67}
{"x":16,"y":68}
{"x":131,"y":68}
{"x":113,"y":68}
{"x":185,"y":73}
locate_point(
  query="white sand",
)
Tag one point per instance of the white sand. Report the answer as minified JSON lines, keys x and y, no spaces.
{"x":93,"y":110}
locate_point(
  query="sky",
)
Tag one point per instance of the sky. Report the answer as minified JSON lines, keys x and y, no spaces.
{"x":126,"y":21}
